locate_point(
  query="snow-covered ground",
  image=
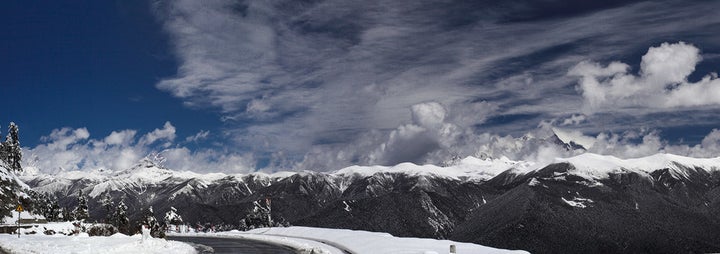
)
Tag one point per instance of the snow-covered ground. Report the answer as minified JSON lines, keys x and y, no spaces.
{"x":82,"y":243}
{"x":336,"y":241}
{"x":33,"y":240}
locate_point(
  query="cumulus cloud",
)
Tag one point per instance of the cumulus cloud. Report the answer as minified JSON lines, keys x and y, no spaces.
{"x":62,"y":138}
{"x":662,"y":81}
{"x":70,"y":149}
{"x":167,"y":133}
{"x":433,"y":135}
{"x":122,"y":138}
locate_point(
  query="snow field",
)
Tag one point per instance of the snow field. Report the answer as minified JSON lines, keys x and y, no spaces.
{"x":83,"y":244}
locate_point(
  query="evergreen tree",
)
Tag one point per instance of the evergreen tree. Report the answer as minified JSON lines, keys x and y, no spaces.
{"x":81,"y":211}
{"x":54,"y":211}
{"x":148,"y":218}
{"x":120,"y":219}
{"x":172,"y":218}
{"x":259,"y":217}
{"x":66,"y":215}
{"x":12,"y":151}
{"x":3,"y":152}
{"x":108,"y":204}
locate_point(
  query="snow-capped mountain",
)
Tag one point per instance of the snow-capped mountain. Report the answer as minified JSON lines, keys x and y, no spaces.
{"x":587,"y":203}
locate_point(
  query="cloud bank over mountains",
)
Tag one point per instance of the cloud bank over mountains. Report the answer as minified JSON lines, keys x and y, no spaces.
{"x":320,"y":85}
{"x":69,"y":149}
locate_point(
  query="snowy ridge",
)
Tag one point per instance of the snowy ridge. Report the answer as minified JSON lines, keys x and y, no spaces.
{"x":470,"y":168}
{"x":146,"y":173}
{"x":596,"y":166}
{"x":588,"y":165}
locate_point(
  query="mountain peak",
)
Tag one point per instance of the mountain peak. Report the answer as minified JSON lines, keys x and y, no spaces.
{"x":146,"y":170}
{"x":573,"y":140}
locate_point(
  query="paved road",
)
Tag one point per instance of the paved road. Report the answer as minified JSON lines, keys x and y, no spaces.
{"x":230,"y":245}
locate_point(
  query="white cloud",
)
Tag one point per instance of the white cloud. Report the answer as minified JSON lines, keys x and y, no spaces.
{"x":430,"y":114}
{"x":167,"y":133}
{"x":431,"y":137}
{"x":122,"y":138}
{"x":72,"y":149}
{"x":661,"y":82}
{"x":183,"y":158}
{"x":573,"y":120}
{"x":202,"y":134}
{"x":60,"y":139}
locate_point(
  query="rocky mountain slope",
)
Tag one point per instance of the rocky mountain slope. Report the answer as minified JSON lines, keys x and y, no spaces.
{"x":589,"y":203}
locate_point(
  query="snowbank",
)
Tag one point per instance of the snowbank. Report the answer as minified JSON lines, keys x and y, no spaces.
{"x":333,"y":241}
{"x":81,"y":244}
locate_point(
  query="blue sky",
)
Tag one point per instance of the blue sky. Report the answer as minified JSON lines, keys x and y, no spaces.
{"x":88,"y":64}
{"x":239,"y":86}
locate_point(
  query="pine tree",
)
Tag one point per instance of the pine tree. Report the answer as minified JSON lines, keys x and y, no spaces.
{"x":12,"y":150}
{"x":260,"y":216}
{"x":108,"y":204}
{"x":148,"y":218}
{"x":67,"y":215}
{"x":54,"y":211}
{"x":81,"y":211}
{"x":172,"y":218}
{"x":120,"y":219}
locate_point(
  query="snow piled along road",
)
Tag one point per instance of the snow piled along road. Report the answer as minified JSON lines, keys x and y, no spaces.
{"x":303,"y":239}
{"x":340,"y":241}
{"x":82,"y":244}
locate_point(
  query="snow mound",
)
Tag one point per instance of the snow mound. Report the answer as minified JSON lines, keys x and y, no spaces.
{"x":118,"y":243}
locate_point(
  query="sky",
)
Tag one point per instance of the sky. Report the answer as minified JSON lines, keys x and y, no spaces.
{"x":243,"y":86}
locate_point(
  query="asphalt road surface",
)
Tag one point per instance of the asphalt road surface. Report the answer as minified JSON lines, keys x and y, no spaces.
{"x":231,"y":245}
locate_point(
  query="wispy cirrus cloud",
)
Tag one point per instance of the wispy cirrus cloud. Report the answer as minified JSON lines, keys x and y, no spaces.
{"x":339,"y":82}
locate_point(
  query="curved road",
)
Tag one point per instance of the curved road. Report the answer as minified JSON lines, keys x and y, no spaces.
{"x":234,"y":245}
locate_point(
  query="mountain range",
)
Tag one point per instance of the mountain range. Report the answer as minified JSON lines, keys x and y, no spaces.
{"x":588,"y":203}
